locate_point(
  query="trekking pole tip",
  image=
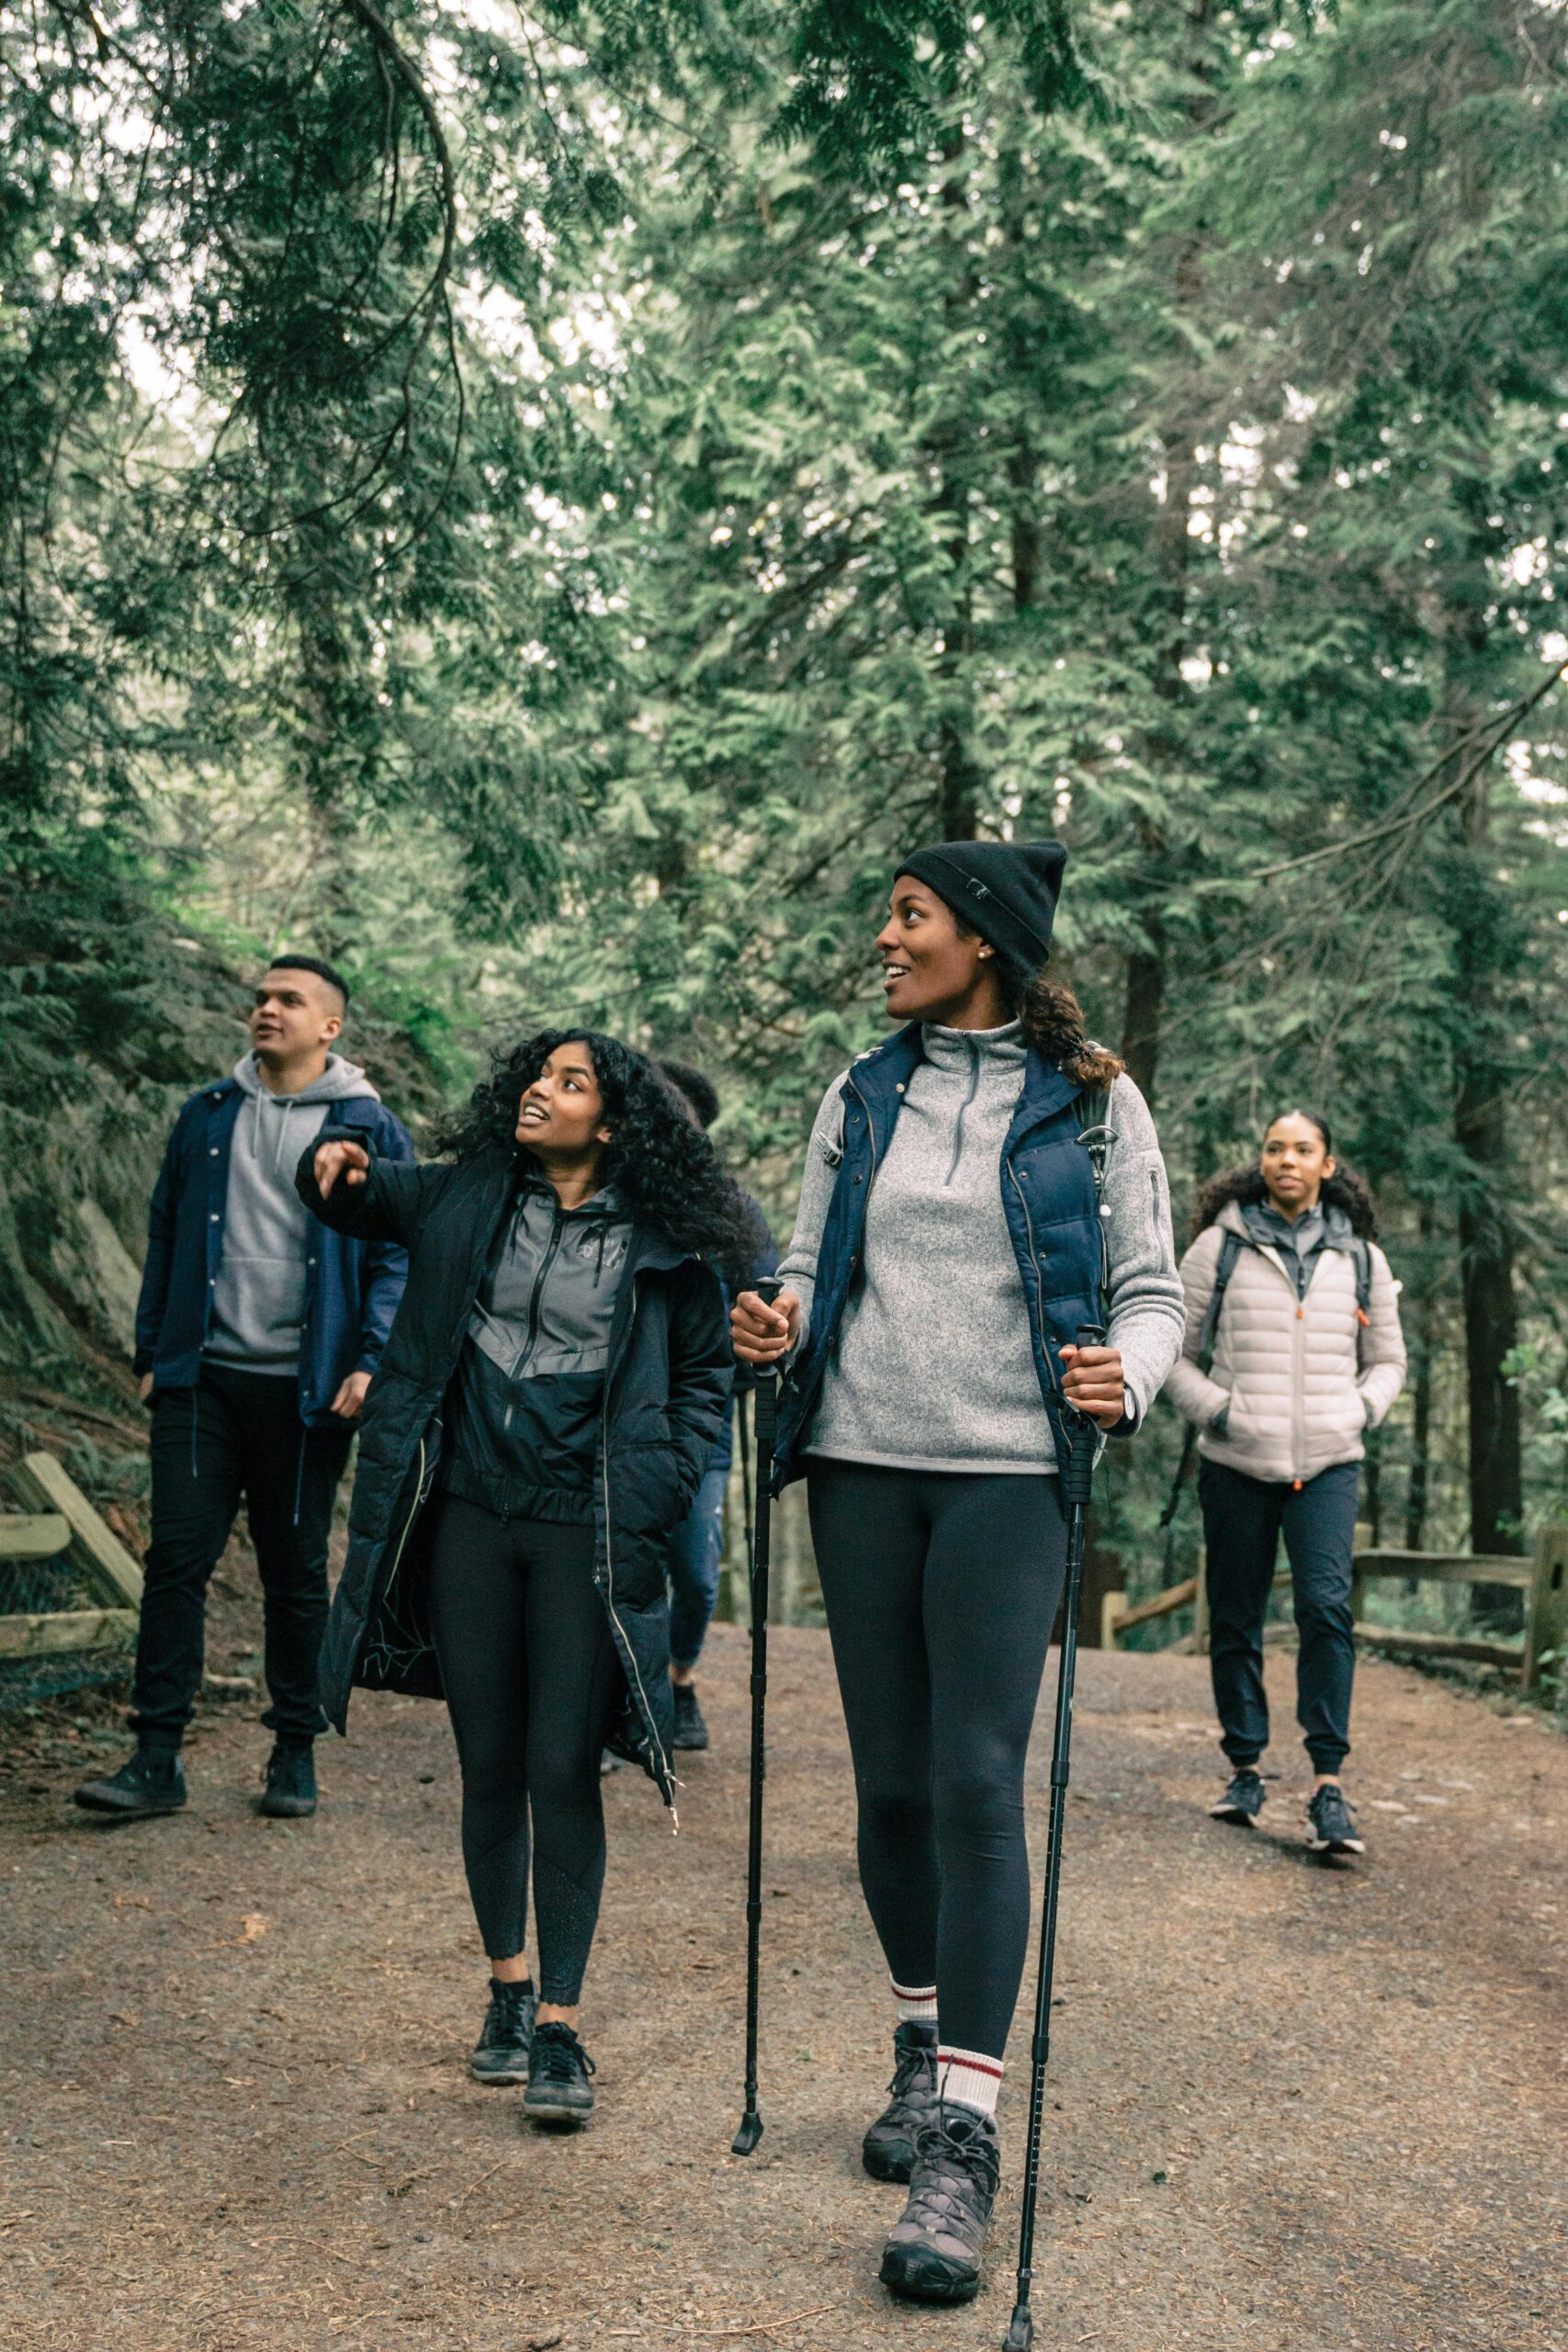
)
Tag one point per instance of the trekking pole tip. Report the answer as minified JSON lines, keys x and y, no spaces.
{"x":1021,"y":2334}
{"x":751,"y":2131}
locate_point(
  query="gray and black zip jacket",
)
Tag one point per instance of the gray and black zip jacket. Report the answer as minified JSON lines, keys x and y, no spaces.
{"x":666,"y":1381}
{"x":523,"y":1422}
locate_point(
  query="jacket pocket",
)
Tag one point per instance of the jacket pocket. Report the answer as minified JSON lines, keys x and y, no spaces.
{"x":647,"y":1493}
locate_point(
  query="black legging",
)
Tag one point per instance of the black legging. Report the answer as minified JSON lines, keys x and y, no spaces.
{"x":533,"y":1683}
{"x":941,"y":1589}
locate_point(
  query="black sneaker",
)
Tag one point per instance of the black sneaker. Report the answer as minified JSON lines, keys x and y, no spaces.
{"x":558,"y":2089}
{"x":290,"y":1792}
{"x":501,"y":2053}
{"x":1242,"y":1802}
{"x":691,"y":1731}
{"x":1333,"y":1827}
{"x":932,"y":2255}
{"x":888,"y":2152}
{"x":151,"y":1781}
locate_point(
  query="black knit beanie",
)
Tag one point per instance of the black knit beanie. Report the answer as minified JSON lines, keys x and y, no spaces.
{"x":1005,"y":890}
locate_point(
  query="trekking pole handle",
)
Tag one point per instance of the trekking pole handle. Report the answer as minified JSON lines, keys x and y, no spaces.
{"x":768,"y":1288}
{"x":1084,"y":1433}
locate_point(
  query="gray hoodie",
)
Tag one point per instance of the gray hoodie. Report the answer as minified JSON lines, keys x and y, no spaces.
{"x":263,"y":1286}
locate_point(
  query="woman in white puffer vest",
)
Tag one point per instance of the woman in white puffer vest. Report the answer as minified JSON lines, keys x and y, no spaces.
{"x":1288,"y":1290}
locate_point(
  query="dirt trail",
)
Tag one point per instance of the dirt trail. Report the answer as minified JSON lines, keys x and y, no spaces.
{"x":1292,"y":2108}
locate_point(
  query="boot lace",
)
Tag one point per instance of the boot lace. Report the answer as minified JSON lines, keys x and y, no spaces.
{"x":956,"y":2172}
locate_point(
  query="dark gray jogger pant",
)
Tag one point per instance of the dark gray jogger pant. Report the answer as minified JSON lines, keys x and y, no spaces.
{"x":1243,"y":1521}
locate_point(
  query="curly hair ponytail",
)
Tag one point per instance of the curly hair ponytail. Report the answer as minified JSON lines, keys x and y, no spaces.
{"x":1347,"y":1189}
{"x":1052,"y":1020}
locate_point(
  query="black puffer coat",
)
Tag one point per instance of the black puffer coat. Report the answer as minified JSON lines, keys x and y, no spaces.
{"x":666,"y":1387}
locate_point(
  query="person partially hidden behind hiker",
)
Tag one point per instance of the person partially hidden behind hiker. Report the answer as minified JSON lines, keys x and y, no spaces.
{"x":696,"y":1548}
{"x":545,"y":1410}
{"x":256,"y":1338}
{"x":1289,"y":1293}
{"x":951,"y":1245}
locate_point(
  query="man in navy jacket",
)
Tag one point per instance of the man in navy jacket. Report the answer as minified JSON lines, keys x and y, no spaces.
{"x":256,"y":1335}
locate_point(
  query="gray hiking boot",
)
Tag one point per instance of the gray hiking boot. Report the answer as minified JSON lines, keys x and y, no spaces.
{"x":501,"y":2053}
{"x":888,"y":2151}
{"x":932,"y":2255}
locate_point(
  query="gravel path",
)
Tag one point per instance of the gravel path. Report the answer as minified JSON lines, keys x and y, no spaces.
{"x":1292,"y":2107}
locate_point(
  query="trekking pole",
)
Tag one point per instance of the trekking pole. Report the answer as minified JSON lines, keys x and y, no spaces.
{"x":764,"y":1409}
{"x":1076,"y":1483}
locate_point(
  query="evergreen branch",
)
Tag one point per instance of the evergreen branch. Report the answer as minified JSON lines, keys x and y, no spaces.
{"x":1413,"y":818}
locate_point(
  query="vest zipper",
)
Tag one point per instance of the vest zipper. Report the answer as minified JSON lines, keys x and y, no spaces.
{"x":664,"y":1768}
{"x":1034,"y":1262}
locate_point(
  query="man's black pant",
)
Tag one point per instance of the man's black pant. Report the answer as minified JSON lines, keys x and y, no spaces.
{"x":1243,"y":1521}
{"x":236,"y":1434}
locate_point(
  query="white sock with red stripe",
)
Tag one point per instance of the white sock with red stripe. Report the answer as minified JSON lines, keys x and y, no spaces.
{"x":969,"y":2078}
{"x":916,"y":2005}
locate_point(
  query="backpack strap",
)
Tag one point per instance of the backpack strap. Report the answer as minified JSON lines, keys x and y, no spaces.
{"x":1231,"y":1248}
{"x":1362,"y":1257}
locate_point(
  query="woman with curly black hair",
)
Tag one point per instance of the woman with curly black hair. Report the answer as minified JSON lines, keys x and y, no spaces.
{"x":547,"y":1402}
{"x":1305,"y":1358}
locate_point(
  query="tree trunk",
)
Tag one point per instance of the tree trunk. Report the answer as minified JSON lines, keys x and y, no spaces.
{"x":959,"y":805}
{"x":1486,"y":1249}
{"x":1420,"y":1341}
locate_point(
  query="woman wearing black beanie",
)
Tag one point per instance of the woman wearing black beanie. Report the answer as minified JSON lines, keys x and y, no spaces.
{"x":948,"y":1189}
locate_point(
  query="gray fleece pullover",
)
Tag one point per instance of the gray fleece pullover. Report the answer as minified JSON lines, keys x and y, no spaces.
{"x":934,"y":1367}
{"x":263,"y":1286}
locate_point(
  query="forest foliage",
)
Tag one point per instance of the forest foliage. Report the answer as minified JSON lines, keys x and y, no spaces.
{"x":544,"y":504}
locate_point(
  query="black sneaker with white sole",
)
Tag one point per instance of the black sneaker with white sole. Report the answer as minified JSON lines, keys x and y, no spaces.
{"x":1242,"y":1802}
{"x":150,"y":1783}
{"x":932,"y":2255}
{"x":888,"y":2152}
{"x":501,"y":2053}
{"x":558,"y":2088}
{"x":1333,"y":1829}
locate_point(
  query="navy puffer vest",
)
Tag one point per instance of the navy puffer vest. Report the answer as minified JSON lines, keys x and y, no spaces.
{"x":1048,"y":1197}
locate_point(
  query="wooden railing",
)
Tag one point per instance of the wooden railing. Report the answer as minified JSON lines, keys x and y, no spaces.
{"x":1543,"y":1578}
{"x":58,"y":1521}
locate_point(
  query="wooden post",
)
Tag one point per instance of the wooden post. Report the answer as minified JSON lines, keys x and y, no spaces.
{"x":1112,"y":1604}
{"x":30,"y":1537}
{"x":1546,"y":1630}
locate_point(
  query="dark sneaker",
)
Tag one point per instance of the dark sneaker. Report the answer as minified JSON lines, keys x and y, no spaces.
{"x":933,"y":2253}
{"x":501,"y":2053}
{"x":290,"y":1792}
{"x":1333,"y":1827}
{"x":558,"y":2089}
{"x":152,"y":1781}
{"x":691,"y":1731}
{"x":1242,"y":1802}
{"x":888,"y":2151}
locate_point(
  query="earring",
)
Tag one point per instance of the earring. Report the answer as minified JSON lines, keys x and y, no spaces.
{"x":986,"y":951}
